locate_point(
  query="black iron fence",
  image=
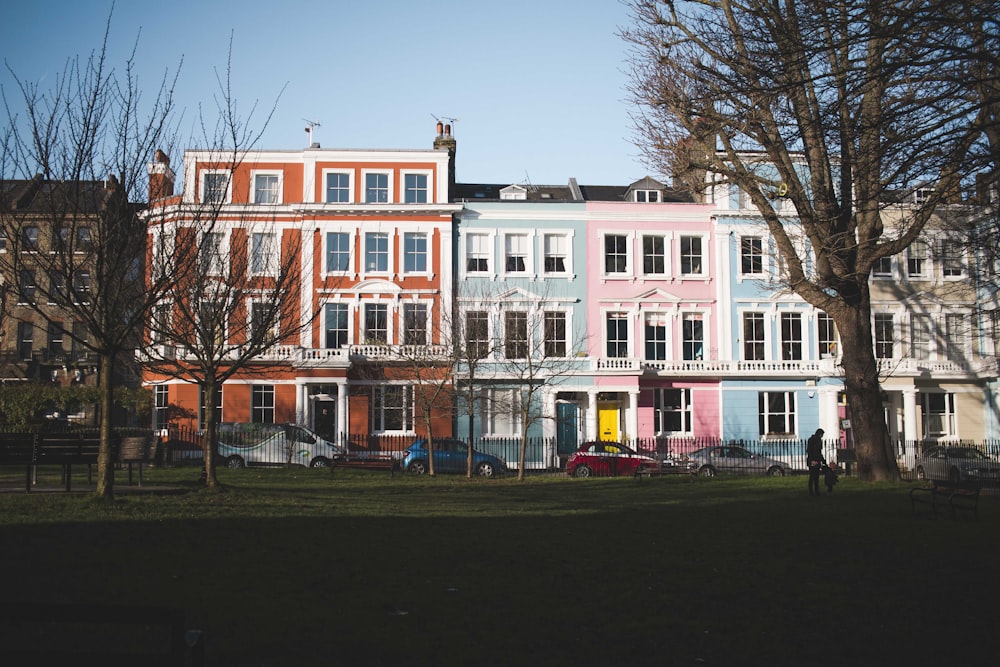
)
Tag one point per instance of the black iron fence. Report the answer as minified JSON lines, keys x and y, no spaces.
{"x":275,"y":445}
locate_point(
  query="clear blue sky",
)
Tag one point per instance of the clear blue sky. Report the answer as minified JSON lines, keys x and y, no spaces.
{"x":537,"y":85}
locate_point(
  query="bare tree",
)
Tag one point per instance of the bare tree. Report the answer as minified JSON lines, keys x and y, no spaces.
{"x":235,"y":297}
{"x":834,"y":106}
{"x":77,"y":246}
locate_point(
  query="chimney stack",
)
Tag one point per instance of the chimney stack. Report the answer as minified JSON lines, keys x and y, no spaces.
{"x":161,"y":177}
{"x":445,"y":141}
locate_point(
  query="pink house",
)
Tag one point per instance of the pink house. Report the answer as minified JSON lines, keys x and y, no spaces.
{"x":653,"y":318}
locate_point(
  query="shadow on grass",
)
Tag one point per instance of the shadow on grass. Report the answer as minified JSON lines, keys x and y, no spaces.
{"x":289,"y":568}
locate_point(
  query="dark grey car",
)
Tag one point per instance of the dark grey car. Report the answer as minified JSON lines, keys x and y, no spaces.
{"x":735,"y":460}
{"x":957,"y":464}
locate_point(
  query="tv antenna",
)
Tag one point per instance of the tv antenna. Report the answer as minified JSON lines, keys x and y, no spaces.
{"x":310,"y":126}
{"x":445,"y":119}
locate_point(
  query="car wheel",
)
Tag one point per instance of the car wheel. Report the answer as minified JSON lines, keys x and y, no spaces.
{"x":486,"y":469}
{"x":920,"y":473}
{"x":954,"y":476}
{"x":582,"y":471}
{"x":320,"y":462}
{"x":706,"y":471}
{"x":775,"y":471}
{"x":417,"y":467}
{"x":235,"y":462}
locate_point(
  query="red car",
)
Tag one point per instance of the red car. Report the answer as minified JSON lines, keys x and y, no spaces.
{"x":605,"y":458}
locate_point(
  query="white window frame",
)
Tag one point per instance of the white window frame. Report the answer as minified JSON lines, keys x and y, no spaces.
{"x":789,"y":414}
{"x":743,"y":342}
{"x":685,"y":409}
{"x":348,"y":329}
{"x":921,"y":337}
{"x":954,"y":261}
{"x":659,"y":320}
{"x":527,"y":238}
{"x":389,"y":254}
{"x":389,"y":313}
{"x":488,"y":340}
{"x":403,"y":328}
{"x":702,"y":255}
{"x":664,"y":254}
{"x":428,"y":186}
{"x":378,"y":407}
{"x":918,"y":251}
{"x":275,"y":326}
{"x":694,"y":315}
{"x":526,"y":341}
{"x":826,"y":346}
{"x":948,"y":416}
{"x":428,"y":255}
{"x":647,"y":196}
{"x":878,"y":340}
{"x":762,"y":256}
{"x":882,"y":268}
{"x":267,"y":173}
{"x":270,"y":261}
{"x":264,"y":411}
{"x":793,"y":343}
{"x":510,"y":416}
{"x":365,"y":173}
{"x":563,"y":239}
{"x":203,"y":176}
{"x":220,"y":262}
{"x":567,"y":323}
{"x":350,"y":184}
{"x":618,"y":314}
{"x":958,"y":336}
{"x":351,"y":260}
{"x":479,"y":246}
{"x":629,"y":271}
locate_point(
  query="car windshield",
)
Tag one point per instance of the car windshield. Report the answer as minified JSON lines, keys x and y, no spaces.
{"x":965,"y":453}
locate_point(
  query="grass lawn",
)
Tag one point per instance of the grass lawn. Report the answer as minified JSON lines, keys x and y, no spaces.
{"x":298,"y":567}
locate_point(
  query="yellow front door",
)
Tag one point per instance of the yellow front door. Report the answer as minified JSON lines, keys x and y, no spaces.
{"x":607,"y":422}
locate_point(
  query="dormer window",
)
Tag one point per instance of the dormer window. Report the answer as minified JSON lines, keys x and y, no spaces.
{"x":514,"y":193}
{"x":646,"y":196}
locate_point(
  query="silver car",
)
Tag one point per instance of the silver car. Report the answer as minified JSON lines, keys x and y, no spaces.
{"x":736,"y":460}
{"x":957,"y":464}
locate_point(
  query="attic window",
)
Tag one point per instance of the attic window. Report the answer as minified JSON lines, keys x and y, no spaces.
{"x":646,"y":196}
{"x":514,"y":193}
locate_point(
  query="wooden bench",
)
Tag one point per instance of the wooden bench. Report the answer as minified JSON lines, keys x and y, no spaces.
{"x":99,"y":634}
{"x":20,"y":449}
{"x":955,"y":496}
{"x":67,"y":449}
{"x":665,"y":469}
{"x":366,"y":462}
{"x":136,"y":451}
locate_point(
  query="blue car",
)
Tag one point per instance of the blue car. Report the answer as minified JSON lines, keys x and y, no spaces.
{"x":451,"y":456}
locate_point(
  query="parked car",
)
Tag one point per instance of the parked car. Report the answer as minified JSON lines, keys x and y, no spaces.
{"x":242,"y":445}
{"x":451,"y":455}
{"x":954,"y":463}
{"x":736,"y":460}
{"x":601,"y":457}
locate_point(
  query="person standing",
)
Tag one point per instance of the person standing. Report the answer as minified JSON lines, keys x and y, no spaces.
{"x":815,"y":460}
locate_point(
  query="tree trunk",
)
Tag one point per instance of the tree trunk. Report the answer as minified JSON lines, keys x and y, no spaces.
{"x":105,"y":454}
{"x":211,"y":433}
{"x":876,"y":456}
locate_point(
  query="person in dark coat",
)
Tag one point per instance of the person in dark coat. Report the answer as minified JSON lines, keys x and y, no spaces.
{"x":815,"y":460}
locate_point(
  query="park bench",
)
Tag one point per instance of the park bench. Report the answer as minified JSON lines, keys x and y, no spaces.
{"x":940,"y":495}
{"x":136,"y":451}
{"x":19,"y":449}
{"x":366,"y":462}
{"x":662,"y":468}
{"x":97,"y":634}
{"x":67,"y":449}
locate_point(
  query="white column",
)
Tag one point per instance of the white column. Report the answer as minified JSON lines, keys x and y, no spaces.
{"x":592,"y":415}
{"x":301,"y":404}
{"x":342,"y":422}
{"x":632,"y":415}
{"x":829,"y":420}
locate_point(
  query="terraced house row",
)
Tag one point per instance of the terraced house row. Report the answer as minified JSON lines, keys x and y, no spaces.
{"x":569,"y":313}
